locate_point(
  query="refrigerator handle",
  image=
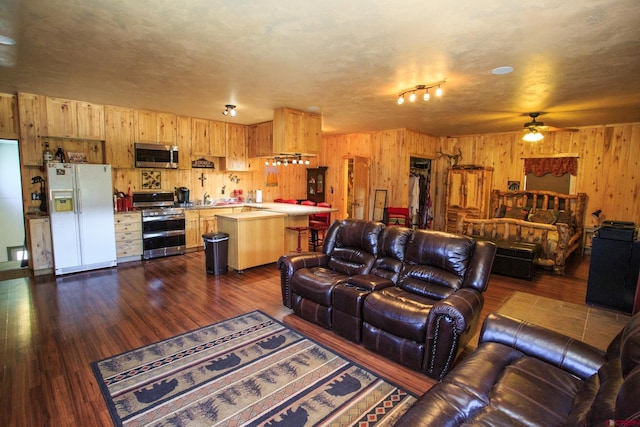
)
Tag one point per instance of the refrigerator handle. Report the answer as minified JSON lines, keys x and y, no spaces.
{"x":78,"y":204}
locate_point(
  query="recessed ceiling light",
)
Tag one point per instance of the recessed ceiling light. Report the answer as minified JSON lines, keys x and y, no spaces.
{"x":502,"y":70}
{"x":313,"y":108}
{"x":7,"y":41}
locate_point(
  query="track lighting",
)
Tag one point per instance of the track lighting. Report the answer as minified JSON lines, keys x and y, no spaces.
{"x":426,"y":96}
{"x":229,"y":110}
{"x":283,"y":159}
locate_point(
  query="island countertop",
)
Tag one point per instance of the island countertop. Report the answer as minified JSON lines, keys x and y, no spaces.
{"x":290,"y":209}
{"x":253,"y":215}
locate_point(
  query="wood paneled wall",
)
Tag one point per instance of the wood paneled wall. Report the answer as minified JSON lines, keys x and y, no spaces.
{"x":608,"y":163}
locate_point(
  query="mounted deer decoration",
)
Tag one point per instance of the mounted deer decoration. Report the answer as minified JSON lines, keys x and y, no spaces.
{"x":453,"y":158}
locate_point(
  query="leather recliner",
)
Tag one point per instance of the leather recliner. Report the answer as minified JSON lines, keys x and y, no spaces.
{"x":350,"y":248}
{"x":523,"y":374}
{"x":427,"y":318}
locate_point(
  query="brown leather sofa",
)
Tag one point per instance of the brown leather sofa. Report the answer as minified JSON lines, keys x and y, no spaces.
{"x":412,"y":296}
{"x":522,"y":374}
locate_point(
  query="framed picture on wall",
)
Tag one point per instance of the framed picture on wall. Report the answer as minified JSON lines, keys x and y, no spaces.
{"x":513,"y":185}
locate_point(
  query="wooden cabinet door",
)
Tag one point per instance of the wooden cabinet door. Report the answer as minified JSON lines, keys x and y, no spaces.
{"x":199,"y":137}
{"x":30,"y":144}
{"x":90,"y":121}
{"x":260,"y":140}
{"x":473,"y":194}
{"x":41,"y":249}
{"x":9,"y":128}
{"x":183,"y":141}
{"x":313,"y":133}
{"x":236,"y":141}
{"x":218,"y":141}
{"x":119,"y":132}
{"x":146,"y":126}
{"x":192,"y":229}
{"x":61,"y":118}
{"x":288,"y":131}
{"x":455,"y":189}
{"x":166,"y":128}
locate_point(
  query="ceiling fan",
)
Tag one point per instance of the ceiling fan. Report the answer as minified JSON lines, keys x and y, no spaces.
{"x":534,"y":129}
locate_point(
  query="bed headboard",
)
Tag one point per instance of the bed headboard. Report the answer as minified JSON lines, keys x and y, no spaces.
{"x":538,"y":199}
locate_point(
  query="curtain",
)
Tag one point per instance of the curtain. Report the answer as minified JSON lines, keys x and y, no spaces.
{"x":556,"y":166}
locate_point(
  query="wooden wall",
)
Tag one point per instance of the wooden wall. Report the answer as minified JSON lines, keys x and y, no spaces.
{"x":608,"y":163}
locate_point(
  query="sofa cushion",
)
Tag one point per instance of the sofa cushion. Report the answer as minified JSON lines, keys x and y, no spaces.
{"x":317,"y":283}
{"x":437,"y":258}
{"x":543,"y":216}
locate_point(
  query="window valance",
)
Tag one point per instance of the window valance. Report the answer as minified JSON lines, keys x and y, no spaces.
{"x":556,"y":166}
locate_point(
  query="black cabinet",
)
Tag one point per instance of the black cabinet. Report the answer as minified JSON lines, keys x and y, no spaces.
{"x":613,"y":270}
{"x":316,"y":184}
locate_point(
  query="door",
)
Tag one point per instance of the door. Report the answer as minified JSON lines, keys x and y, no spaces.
{"x":95,"y":214}
{"x":357,"y":202}
{"x":62,"y":213}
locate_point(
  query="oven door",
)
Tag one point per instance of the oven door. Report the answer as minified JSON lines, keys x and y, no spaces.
{"x":163,"y":236}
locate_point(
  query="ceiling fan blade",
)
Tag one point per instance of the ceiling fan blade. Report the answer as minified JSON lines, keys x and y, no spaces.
{"x":555,"y":129}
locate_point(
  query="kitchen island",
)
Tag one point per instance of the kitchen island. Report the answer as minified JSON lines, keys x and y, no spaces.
{"x":297,"y":217}
{"x":255,"y":238}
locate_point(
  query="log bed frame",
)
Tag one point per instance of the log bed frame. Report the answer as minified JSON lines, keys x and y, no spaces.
{"x":507,"y":229}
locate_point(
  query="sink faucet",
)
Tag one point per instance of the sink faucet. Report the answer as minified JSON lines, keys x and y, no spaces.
{"x":206,"y":196}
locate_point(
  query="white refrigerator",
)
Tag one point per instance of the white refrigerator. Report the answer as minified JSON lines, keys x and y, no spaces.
{"x":81,"y":215}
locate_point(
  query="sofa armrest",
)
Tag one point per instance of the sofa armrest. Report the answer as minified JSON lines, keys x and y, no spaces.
{"x":451,"y":323}
{"x":289,"y":264}
{"x":571,"y":355}
{"x":477,"y":276}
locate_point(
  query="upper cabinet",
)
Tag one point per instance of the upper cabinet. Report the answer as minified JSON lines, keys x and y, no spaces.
{"x":208,"y":138}
{"x":260,"y":140}
{"x":183,"y":141}
{"x":30,"y":144}
{"x":236,"y":142}
{"x":8,"y":116}
{"x":296,"y":132}
{"x":67,"y":118}
{"x":119,"y":134}
{"x":155,"y":128}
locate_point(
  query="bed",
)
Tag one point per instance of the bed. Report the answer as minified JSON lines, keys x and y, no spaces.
{"x":553,"y":221}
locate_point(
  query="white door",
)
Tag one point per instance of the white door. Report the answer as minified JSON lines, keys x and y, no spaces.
{"x":95,"y":214}
{"x":62,"y":213}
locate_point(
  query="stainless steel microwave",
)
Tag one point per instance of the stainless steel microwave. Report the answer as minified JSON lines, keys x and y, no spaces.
{"x":156,"y":156}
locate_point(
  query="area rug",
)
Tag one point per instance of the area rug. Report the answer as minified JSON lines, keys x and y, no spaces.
{"x":250,"y":370}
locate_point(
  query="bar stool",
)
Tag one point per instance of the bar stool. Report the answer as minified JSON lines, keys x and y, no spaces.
{"x":299,"y":230}
{"x":319,"y":224}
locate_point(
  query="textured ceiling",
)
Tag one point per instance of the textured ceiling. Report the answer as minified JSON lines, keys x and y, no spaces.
{"x":578,"y":61}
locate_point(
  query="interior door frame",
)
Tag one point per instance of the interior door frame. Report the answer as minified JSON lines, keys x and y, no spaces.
{"x":362,"y":166}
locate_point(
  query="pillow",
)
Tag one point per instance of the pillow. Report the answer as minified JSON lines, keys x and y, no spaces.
{"x":565,"y":217}
{"x":516,"y":212}
{"x":500,"y":212}
{"x":543,"y":216}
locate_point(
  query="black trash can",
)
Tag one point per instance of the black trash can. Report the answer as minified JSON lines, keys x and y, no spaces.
{"x":216,"y":246}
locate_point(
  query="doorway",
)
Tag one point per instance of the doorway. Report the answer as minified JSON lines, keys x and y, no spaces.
{"x":420,"y":197}
{"x":12,"y":239}
{"x":357,"y":185}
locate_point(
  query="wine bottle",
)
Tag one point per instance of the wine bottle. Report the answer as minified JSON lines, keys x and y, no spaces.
{"x":47,"y":155}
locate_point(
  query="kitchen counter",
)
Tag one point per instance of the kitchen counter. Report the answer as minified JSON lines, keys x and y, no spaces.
{"x":255,"y":238}
{"x":290,"y":209}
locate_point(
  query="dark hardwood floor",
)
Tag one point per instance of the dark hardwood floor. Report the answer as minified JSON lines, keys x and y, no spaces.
{"x":53,"y":328}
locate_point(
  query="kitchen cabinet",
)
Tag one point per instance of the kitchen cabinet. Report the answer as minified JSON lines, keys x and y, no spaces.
{"x":260,"y":140}
{"x":128,"y":229}
{"x":67,"y":118}
{"x":208,"y":219}
{"x":255,"y":238}
{"x":316,"y":184}
{"x":9,"y":128}
{"x":154,"y":127}
{"x":236,"y":148}
{"x":30,"y":144}
{"x":40,"y":247}
{"x":193,"y":236}
{"x":296,"y":132}
{"x":119,"y":136}
{"x":468,"y":193}
{"x":183,"y":141}
{"x":208,"y":138}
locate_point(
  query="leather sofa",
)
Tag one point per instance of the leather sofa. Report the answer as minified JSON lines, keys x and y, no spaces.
{"x":413,"y":296}
{"x":523,"y":374}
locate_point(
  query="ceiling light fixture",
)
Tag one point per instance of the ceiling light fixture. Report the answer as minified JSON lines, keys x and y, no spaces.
{"x":283,"y":159}
{"x":532,"y":136}
{"x":418,"y":88}
{"x":229,"y":110}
